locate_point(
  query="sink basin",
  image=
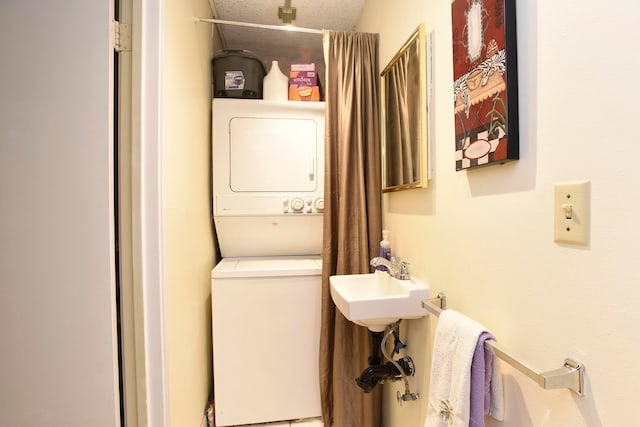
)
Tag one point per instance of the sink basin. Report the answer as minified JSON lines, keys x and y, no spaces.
{"x":376,"y":300}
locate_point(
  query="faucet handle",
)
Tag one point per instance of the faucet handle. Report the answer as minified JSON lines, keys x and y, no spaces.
{"x":404,"y":271}
{"x":395,"y":260}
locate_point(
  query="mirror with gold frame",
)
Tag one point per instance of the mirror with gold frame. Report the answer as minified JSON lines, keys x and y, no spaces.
{"x":404,"y":116}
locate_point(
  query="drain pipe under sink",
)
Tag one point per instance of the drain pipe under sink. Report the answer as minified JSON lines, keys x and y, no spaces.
{"x":393,"y":370}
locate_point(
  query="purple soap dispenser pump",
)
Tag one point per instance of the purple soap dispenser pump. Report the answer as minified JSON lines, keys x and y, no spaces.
{"x":385,"y":249}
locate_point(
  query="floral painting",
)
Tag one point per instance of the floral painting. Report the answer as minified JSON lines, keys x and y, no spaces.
{"x":485,"y":87}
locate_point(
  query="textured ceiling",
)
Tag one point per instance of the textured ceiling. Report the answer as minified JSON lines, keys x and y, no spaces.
{"x":284,"y":46}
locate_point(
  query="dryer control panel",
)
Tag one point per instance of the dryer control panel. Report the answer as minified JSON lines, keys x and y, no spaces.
{"x":303,"y":205}
{"x":260,"y":205}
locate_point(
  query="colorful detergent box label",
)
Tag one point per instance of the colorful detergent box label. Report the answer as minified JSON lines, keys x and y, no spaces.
{"x":305,"y":93}
{"x":303,"y":78}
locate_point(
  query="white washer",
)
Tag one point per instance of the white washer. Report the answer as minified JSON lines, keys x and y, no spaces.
{"x":266,"y":335}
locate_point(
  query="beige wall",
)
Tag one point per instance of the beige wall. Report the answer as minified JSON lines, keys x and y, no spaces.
{"x":484,"y":237}
{"x":188,"y":239}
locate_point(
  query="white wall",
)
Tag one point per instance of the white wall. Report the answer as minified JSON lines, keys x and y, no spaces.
{"x":485,"y":237}
{"x":188,"y":242}
{"x":58,"y":360}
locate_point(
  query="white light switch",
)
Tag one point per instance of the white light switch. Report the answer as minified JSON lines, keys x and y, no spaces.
{"x":572,"y":212}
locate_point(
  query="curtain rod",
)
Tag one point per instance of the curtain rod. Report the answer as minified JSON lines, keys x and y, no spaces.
{"x":264,"y":26}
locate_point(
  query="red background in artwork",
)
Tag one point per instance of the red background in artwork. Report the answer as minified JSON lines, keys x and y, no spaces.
{"x":494,"y":30}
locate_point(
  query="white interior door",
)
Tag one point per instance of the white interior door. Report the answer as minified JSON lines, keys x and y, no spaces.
{"x":58,"y":364}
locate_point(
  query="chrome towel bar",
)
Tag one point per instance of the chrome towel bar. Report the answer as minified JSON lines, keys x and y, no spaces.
{"x":570,"y":376}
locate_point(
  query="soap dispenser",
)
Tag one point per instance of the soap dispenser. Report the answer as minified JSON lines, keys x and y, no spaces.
{"x":385,"y":249}
{"x":275,"y":85}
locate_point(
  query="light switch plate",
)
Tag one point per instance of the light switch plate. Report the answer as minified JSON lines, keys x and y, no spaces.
{"x":571,"y":211}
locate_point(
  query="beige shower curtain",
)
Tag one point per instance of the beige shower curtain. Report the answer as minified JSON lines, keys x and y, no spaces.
{"x":352,"y":219}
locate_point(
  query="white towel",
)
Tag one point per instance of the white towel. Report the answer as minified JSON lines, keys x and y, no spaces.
{"x":449,"y":391}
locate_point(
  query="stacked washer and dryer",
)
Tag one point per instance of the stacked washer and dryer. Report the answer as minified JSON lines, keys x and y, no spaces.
{"x":268,"y":176}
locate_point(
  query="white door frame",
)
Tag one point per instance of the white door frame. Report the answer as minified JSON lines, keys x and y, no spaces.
{"x":148,"y":41}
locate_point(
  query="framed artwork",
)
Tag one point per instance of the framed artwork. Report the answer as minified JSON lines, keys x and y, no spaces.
{"x":485,"y":86}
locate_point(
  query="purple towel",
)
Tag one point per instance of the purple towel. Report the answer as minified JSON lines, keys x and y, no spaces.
{"x":480,"y":393}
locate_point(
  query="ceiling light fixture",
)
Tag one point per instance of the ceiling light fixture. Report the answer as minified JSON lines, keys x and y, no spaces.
{"x":286,"y":12}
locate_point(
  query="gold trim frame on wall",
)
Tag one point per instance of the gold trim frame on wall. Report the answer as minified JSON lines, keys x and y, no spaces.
{"x":485,"y":87}
{"x":404,"y":116}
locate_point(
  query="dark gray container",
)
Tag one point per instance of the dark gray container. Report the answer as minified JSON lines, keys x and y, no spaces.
{"x":237,"y":74}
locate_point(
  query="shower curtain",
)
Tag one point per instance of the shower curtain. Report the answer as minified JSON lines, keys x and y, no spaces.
{"x":352,"y":219}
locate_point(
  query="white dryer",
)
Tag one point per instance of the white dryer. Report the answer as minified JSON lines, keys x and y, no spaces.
{"x":268,"y":175}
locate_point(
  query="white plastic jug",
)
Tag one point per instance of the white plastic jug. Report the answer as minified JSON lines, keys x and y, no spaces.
{"x":276,"y":85}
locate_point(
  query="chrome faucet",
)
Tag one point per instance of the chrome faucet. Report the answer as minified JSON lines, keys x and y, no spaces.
{"x":396,"y":268}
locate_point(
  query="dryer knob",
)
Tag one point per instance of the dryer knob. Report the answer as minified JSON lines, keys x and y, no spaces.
{"x":297,"y":204}
{"x":319,"y":204}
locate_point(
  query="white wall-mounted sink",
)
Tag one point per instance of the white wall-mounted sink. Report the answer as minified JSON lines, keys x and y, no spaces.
{"x":376,"y":300}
